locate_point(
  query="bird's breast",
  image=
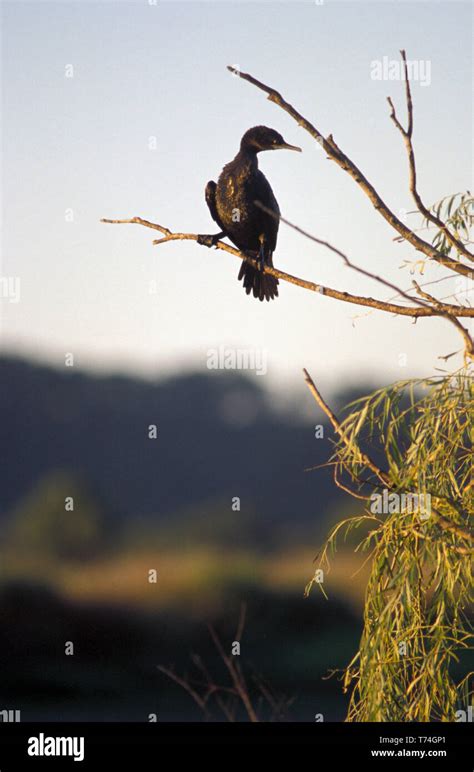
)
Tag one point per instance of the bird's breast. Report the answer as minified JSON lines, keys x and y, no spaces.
{"x":238,"y":187}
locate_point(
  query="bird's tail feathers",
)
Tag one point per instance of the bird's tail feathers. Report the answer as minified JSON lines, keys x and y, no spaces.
{"x":263,"y":286}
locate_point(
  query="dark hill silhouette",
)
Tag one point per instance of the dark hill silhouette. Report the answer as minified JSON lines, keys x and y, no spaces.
{"x":218,"y":438}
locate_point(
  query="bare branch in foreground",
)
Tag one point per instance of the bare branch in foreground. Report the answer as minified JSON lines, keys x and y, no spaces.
{"x":228,"y":697}
{"x":200,"y":701}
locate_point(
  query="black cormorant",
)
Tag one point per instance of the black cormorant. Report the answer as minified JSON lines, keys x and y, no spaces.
{"x":232,"y":205}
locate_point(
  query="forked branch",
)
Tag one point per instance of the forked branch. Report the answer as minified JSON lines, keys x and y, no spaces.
{"x":407,"y":138}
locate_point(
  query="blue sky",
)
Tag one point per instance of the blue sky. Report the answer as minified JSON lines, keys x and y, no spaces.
{"x":144,"y":71}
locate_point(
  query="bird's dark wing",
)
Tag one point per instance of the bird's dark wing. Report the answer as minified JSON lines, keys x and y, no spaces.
{"x":210,"y":194}
{"x":268,"y":224}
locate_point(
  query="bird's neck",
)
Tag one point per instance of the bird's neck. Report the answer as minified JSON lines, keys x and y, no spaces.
{"x":247,"y":157}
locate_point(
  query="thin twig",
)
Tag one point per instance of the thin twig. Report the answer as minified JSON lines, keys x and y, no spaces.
{"x":407,"y":138}
{"x":200,"y":701}
{"x":447,"y":310}
{"x":236,"y":676}
{"x":468,"y":341}
{"x":215,"y":690}
{"x":241,"y":623}
{"x":340,"y":254}
{"x":346,"y":489}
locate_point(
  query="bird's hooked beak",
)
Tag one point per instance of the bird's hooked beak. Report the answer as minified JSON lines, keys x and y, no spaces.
{"x":286,"y":146}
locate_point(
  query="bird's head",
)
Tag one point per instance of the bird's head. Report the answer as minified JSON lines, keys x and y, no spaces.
{"x":262,"y":138}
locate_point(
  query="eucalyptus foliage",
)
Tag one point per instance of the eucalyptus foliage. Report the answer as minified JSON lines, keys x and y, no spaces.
{"x":457,"y":212}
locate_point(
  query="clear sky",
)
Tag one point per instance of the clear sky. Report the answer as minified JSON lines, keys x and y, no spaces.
{"x":151,"y":114}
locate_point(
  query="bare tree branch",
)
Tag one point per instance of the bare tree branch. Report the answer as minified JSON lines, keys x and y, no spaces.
{"x":216,"y":690}
{"x":346,"y":297}
{"x":345,"y":163}
{"x":227,"y":698}
{"x":236,"y":676}
{"x":344,"y":488}
{"x":200,"y":701}
{"x":241,"y":622}
{"x":338,"y":252}
{"x":448,"y":311}
{"x":365,"y":459}
{"x":407,"y":137}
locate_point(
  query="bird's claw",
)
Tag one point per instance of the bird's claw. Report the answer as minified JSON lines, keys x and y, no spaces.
{"x":205,"y":241}
{"x":208,"y":240}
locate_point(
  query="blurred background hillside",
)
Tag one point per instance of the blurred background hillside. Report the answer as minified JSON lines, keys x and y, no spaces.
{"x":89,"y":505}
